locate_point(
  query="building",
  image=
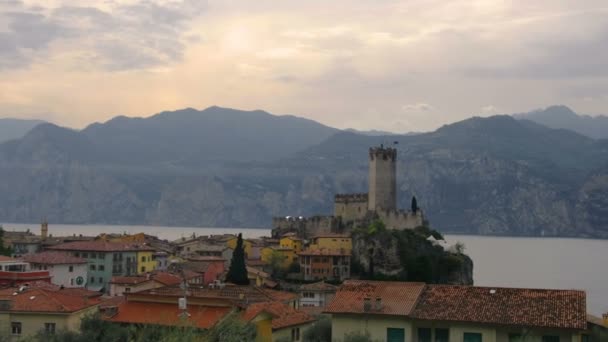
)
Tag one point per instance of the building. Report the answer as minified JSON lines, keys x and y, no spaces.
{"x":106,"y":259}
{"x":317,"y":294}
{"x":162,"y":260}
{"x":210,"y":267}
{"x":247,"y":245}
{"x":145,"y":261}
{"x":325,"y":264}
{"x":401,"y":311}
{"x":120,"y":285}
{"x":360,"y":209}
{"x":291,"y":241}
{"x":276,"y":321}
{"x":65,"y":269}
{"x":26,"y":310}
{"x":332,"y":241}
{"x":14,"y":272}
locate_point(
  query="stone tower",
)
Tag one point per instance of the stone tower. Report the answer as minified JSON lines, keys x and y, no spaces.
{"x":44,"y":230}
{"x":382,"y":178}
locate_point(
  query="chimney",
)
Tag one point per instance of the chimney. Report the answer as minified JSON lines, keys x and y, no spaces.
{"x":44,"y":229}
{"x":378,"y":305}
{"x":367,"y":304}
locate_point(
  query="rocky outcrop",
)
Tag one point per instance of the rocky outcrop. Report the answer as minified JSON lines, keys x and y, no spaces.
{"x":407,"y":255}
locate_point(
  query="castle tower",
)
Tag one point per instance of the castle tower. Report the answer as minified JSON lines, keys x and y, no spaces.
{"x":382,"y":178}
{"x":44,"y":230}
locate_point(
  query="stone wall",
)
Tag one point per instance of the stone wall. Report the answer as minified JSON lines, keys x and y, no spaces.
{"x":350,"y":206}
{"x":382,"y":179}
{"x":305,"y":227}
{"x":399,"y":219}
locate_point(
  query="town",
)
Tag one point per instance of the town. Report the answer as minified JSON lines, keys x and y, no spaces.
{"x":369,"y":272}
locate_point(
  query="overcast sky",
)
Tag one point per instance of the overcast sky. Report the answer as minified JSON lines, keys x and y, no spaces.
{"x":366,"y":64}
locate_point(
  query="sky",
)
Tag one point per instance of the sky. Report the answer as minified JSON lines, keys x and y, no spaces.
{"x":397,"y":66}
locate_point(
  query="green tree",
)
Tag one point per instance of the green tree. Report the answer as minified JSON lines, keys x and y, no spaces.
{"x":319,"y":332}
{"x":414,"y":204}
{"x":357,"y":337}
{"x":231,"y":329}
{"x":237,"y":273}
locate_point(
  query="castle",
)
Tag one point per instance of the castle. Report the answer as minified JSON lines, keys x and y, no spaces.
{"x":359,"y":210}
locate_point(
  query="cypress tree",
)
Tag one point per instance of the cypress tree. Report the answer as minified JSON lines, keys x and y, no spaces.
{"x":414,"y":204}
{"x":237,"y":273}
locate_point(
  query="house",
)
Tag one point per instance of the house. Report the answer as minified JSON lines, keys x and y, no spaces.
{"x":106,"y":259}
{"x":325,"y":264}
{"x":402,"y":311}
{"x":291,"y":241}
{"x":145,"y":261}
{"x":121,"y":285}
{"x":260,"y":278}
{"x":65,"y":269}
{"x":317,"y":294}
{"x":14,"y":272}
{"x":210,"y":267}
{"x":276,"y":321}
{"x":26,"y":310}
{"x":162,"y":260}
{"x":332,"y":241}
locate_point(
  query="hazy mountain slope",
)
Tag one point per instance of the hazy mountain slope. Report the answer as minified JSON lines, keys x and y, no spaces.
{"x":15,"y":128}
{"x":492,"y":175}
{"x":563,"y":117}
{"x":194,"y":137}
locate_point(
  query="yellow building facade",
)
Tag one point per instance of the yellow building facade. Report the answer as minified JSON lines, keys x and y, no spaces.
{"x":145,"y":262}
{"x":247,"y":245}
{"x":333,"y":242}
{"x":287,"y":256}
{"x":291,"y":242}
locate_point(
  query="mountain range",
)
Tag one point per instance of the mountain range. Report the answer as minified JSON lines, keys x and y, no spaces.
{"x":228,"y":168}
{"x":16,"y":128}
{"x":563,"y":117}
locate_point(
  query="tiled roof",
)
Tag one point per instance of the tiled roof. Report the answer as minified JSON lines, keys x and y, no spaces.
{"x":53,"y":258}
{"x":205,"y":258}
{"x":6,"y":258}
{"x":102,"y":246}
{"x":505,"y":306}
{"x":128,"y":280}
{"x":258,"y":272}
{"x":283,"y":315}
{"x":397,"y":298}
{"x":167,"y":278}
{"x":319,"y":286}
{"x":44,"y":300}
{"x":249,"y":294}
{"x":326,"y":252}
{"x":203,"y":317}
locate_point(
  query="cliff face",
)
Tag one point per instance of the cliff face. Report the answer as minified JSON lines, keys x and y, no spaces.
{"x":407,"y":255}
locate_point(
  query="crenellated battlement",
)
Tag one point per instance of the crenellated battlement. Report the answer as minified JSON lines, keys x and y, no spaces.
{"x":384,"y":153}
{"x":351,"y":198}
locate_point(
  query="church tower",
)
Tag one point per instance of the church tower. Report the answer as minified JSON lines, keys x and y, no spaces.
{"x":382,"y":178}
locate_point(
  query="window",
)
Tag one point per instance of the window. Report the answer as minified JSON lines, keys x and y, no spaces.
{"x":585,"y":338}
{"x":515,"y":338}
{"x":424,"y":334}
{"x":472,"y":337}
{"x":93,"y":255}
{"x":71,"y":269}
{"x":442,"y":335}
{"x":71,"y":281}
{"x":550,"y":339}
{"x":101,"y":256}
{"x":395,"y":335}
{"x":127,"y":289}
{"x":101,"y":268}
{"x":143,"y":269}
{"x":143,"y":259}
{"x":295,"y":334}
{"x":92,"y":280}
{"x":49,"y":328}
{"x":76,"y":254}
{"x":100,"y":280}
{"x":92,"y":267}
{"x":16,"y":328}
{"x":85,"y":255}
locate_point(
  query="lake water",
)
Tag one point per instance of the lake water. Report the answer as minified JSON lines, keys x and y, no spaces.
{"x":499,"y":261}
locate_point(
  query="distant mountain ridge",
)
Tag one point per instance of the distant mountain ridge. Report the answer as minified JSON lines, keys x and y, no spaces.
{"x":15,"y":128}
{"x":227,"y":168}
{"x":563,"y":117}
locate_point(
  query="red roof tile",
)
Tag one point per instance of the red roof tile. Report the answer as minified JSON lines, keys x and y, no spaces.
{"x":505,"y":306}
{"x":397,"y":298}
{"x":102,"y":246}
{"x":43,"y":300}
{"x":319,"y":286}
{"x":6,"y":258}
{"x":283,"y":315}
{"x":128,"y":280}
{"x":203,"y":317}
{"x":53,"y":258}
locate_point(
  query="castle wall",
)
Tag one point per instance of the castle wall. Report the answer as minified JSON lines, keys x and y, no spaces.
{"x":398,"y":219}
{"x":350,"y":207}
{"x":382,"y":179}
{"x":305,"y":227}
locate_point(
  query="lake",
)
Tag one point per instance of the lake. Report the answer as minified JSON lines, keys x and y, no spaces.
{"x":499,"y":261}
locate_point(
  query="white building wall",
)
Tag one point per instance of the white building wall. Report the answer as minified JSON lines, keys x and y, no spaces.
{"x":61,"y":275}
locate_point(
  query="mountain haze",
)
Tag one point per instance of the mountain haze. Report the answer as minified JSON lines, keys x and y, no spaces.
{"x":563,"y":117}
{"x":222,"y":167}
{"x":15,"y":128}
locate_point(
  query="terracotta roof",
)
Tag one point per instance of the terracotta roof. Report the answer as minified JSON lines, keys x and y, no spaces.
{"x":319,"y":286}
{"x":128,"y":280}
{"x":505,"y":306}
{"x":43,"y":300}
{"x":167,"y":279}
{"x":249,"y":294}
{"x":397,"y":298}
{"x":257,"y":272}
{"x":6,"y":258}
{"x":102,"y":246}
{"x":205,"y":258}
{"x":53,"y":258}
{"x":107,"y":302}
{"x":283,"y":315}
{"x":328,"y":252}
{"x":203,"y":317}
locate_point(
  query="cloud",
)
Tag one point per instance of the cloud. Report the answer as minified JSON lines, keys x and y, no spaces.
{"x":489,"y":110}
{"x":135,"y":35}
{"x":417,"y":107}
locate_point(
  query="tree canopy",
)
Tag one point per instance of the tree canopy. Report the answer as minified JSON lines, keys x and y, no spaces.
{"x":237,"y":273}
